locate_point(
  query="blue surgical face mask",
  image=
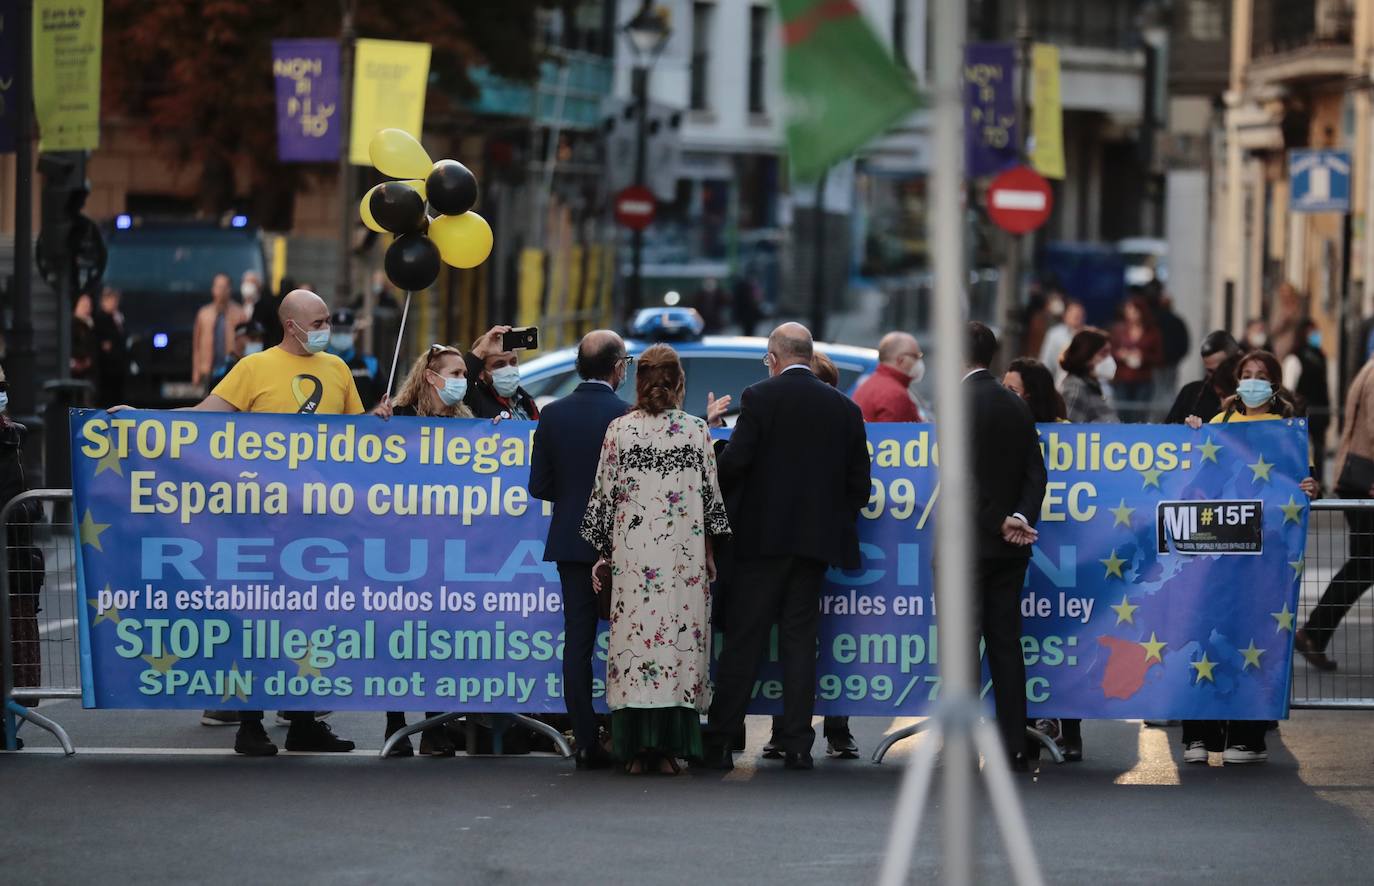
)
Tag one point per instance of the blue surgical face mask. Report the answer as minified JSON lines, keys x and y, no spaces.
{"x":453,"y":391}
{"x":253,"y":347}
{"x":4,"y":400}
{"x":1255,"y":392}
{"x":506,"y":380}
{"x":1314,"y":338}
{"x":316,"y":340}
{"x":341,"y":342}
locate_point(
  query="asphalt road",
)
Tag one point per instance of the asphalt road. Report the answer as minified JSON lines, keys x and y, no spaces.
{"x":156,"y":798}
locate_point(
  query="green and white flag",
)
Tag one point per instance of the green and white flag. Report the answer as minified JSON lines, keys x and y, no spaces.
{"x":843,"y":87}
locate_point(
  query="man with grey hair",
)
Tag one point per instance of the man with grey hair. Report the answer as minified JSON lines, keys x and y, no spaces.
{"x":886,"y":395}
{"x":795,"y":473}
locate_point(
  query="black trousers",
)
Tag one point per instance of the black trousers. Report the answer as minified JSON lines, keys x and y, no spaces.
{"x":999,"y":617}
{"x":836,"y":726}
{"x":1218,"y":735}
{"x":1349,"y":584}
{"x":765,"y":591}
{"x":579,"y":642}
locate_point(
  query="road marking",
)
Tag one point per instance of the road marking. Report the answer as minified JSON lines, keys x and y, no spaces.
{"x":63,"y":624}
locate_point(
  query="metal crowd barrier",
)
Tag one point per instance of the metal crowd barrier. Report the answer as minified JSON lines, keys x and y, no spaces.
{"x":39,"y":632}
{"x":1335,"y":607}
{"x":38,"y":616}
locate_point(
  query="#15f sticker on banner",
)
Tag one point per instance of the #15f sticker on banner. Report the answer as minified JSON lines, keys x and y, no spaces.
{"x":1210,"y":527}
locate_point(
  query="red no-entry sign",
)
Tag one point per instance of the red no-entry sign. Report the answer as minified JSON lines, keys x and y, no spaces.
{"x":634,"y":207}
{"x":1020,"y":200}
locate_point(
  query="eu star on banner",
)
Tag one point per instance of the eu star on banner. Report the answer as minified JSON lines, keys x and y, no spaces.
{"x":843,"y":88}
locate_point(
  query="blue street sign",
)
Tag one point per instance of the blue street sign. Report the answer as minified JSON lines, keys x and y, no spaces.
{"x":1319,"y":181}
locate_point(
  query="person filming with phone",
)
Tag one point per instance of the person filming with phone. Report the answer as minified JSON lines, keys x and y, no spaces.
{"x":494,"y":367}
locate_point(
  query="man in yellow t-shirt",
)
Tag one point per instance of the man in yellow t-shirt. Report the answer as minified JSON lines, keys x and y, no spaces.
{"x":296,"y":376}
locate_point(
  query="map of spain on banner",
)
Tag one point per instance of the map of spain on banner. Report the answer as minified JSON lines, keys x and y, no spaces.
{"x":390,"y":78}
{"x":256,"y":561}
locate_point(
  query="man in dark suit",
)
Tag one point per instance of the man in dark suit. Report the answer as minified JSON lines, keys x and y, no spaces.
{"x":567,"y":448}
{"x":1008,"y":487}
{"x":796,"y":474}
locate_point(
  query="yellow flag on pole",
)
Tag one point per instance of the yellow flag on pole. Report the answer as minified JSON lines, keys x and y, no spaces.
{"x":66,"y":73}
{"x":389,"y":82}
{"x":1047,"y":124}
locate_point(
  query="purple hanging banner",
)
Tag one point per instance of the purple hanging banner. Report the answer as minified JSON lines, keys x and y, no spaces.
{"x":10,"y":88}
{"x":307,"y":75}
{"x":989,"y":108}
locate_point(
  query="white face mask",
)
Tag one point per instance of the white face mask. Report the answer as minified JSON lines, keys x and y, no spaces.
{"x":253,"y":347}
{"x":249,"y":291}
{"x":453,"y":391}
{"x":506,"y":380}
{"x":1106,"y":370}
{"x":917,"y":370}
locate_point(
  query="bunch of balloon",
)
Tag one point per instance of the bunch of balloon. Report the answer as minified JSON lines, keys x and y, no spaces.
{"x":457,"y":235}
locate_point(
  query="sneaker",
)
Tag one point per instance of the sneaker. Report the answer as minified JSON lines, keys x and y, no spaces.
{"x":219,"y":718}
{"x":312,"y":735}
{"x":1195,"y":752}
{"x":1244,"y":754}
{"x":252,"y":740}
{"x":841,"y":746}
{"x":319,"y":715}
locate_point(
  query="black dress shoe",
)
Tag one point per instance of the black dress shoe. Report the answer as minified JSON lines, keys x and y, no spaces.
{"x":715,"y":757}
{"x":1073,"y":750}
{"x":588,"y":758}
{"x":773,"y":750}
{"x":1019,"y":763}
{"x":800,"y":761}
{"x":841,"y":747}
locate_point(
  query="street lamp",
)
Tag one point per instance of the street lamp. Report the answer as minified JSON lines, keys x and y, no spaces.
{"x":647,"y":33}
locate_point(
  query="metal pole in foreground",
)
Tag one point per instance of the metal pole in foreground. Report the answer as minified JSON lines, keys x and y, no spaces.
{"x":954,"y":541}
{"x":348,"y":214}
{"x":641,"y":90}
{"x":22,"y":373}
{"x":956,"y":718}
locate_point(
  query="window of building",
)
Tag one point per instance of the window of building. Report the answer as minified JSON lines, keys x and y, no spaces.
{"x":899,"y":33}
{"x":703,"y":14}
{"x":758,"y":64}
{"x":1205,"y":22}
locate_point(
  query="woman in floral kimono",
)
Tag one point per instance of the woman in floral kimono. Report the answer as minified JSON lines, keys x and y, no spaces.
{"x":654,"y":507}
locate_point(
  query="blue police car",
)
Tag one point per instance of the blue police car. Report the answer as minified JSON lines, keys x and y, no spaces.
{"x":722,"y":364}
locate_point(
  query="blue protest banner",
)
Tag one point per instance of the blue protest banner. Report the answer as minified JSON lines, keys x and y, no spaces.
{"x":307,"y":77}
{"x":990,"y":135}
{"x":257,"y":561}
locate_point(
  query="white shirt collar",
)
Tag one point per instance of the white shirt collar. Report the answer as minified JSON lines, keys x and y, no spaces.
{"x":972,"y":372}
{"x":796,"y":366}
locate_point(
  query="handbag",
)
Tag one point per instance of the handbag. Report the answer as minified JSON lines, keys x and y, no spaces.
{"x":603,"y":596}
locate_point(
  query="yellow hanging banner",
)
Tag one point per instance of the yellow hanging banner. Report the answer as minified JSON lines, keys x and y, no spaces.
{"x":1047,"y":124}
{"x":389,"y":82}
{"x":66,"y":73}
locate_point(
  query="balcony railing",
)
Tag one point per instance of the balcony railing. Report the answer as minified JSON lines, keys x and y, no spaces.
{"x":1286,"y":25}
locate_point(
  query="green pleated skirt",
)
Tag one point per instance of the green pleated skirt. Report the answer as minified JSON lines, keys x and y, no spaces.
{"x":670,"y":731}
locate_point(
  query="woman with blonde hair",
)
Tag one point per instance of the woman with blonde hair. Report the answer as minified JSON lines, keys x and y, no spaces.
{"x":434,"y":388}
{"x":654,"y":507}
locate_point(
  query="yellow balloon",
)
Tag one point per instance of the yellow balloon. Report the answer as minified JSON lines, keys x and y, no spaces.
{"x":365,"y":211}
{"x":418,"y":184}
{"x":464,"y":241}
{"x":396,"y":153}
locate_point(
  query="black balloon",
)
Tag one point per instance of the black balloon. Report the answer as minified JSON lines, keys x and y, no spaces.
{"x":451,"y":188}
{"x":398,"y":207}
{"x":412,"y":262}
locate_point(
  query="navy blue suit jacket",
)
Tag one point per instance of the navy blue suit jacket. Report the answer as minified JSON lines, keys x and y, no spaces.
{"x":567,"y":449}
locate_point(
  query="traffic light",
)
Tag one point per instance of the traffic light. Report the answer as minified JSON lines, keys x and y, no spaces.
{"x":70,"y":247}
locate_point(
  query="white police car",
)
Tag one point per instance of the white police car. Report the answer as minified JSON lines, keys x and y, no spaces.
{"x":719,"y":364}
